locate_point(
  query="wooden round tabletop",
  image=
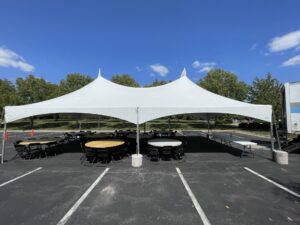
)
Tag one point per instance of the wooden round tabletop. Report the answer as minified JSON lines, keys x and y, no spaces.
{"x":104,"y":143}
{"x":36,"y":142}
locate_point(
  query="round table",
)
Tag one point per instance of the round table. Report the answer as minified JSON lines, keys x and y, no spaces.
{"x":36,"y":142}
{"x":163,"y":142}
{"x":104,"y":144}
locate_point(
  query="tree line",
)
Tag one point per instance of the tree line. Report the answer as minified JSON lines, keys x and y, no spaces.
{"x":33,"y":89}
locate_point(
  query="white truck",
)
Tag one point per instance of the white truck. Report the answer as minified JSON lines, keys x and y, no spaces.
{"x":291,"y":114}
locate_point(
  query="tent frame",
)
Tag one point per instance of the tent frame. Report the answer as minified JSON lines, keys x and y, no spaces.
{"x":137,"y":132}
{"x":3,"y":137}
{"x":271,"y":137}
{"x":138,"y":135}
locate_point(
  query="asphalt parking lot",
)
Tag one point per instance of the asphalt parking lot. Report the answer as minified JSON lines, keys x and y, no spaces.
{"x":59,"y":190}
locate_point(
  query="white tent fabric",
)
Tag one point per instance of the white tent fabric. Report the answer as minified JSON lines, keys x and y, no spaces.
{"x":139,"y":105}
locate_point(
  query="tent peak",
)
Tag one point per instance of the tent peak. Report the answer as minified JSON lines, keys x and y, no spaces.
{"x":183,"y":73}
{"x":99,"y":72}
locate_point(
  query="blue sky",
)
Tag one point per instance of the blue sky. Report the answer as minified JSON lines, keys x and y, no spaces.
{"x":150,"y":39}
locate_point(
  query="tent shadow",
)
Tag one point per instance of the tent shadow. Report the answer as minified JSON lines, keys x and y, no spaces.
{"x":198,"y":144}
{"x":72,"y":147}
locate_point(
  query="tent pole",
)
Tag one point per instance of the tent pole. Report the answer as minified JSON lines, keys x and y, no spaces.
{"x":208,"y":125}
{"x":99,"y":123}
{"x":3,"y":143}
{"x":137,"y":132}
{"x":276,"y":132}
{"x":271,"y":136}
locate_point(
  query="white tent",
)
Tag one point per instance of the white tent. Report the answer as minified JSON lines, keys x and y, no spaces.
{"x":139,"y":105}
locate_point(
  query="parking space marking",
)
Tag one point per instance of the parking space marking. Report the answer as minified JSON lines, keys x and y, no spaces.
{"x":65,"y":219}
{"x":193,"y":198}
{"x":273,"y":182}
{"x":17,"y":178}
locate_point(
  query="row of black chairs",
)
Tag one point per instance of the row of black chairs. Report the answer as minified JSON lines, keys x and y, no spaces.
{"x":163,"y":133}
{"x":85,"y":136}
{"x":154,"y":133}
{"x":37,"y":150}
{"x":165,"y":153}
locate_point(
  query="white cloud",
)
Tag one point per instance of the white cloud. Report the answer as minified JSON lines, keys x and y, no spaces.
{"x":292,"y":61}
{"x":253,"y":47}
{"x":205,"y":69}
{"x":203,"y":66}
{"x":139,"y":69}
{"x":159,"y":69}
{"x":9,"y":58}
{"x":285,"y":42}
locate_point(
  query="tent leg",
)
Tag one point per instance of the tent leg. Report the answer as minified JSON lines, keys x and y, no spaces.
{"x":276,"y":133}
{"x":208,"y":126}
{"x":3,"y":144}
{"x":137,"y":133}
{"x":271,"y":136}
{"x":99,"y":123}
{"x":137,"y":139}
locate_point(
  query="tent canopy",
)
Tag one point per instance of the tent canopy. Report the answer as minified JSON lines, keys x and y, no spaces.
{"x":139,"y":105}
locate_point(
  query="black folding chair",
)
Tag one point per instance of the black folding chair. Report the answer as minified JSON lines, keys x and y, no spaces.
{"x":103,"y":155}
{"x":61,"y":143}
{"x":116,"y":153}
{"x":90,"y":155}
{"x":153,"y":153}
{"x":125,"y":151}
{"x":34,"y":150}
{"x":50,"y":149}
{"x":178,"y":152}
{"x":21,"y":150}
{"x":17,"y":142}
{"x":166,"y":152}
{"x":70,"y":137}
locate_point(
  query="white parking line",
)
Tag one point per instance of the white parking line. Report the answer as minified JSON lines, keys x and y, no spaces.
{"x":17,"y":178}
{"x":273,"y":182}
{"x":81,"y":199}
{"x":193,"y":198}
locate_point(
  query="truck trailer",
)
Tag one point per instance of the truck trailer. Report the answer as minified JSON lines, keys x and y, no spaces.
{"x":291,"y":115}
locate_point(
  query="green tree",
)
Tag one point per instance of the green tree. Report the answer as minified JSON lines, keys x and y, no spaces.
{"x":266,"y":91}
{"x":73,"y":82}
{"x":8,"y":94}
{"x":224,"y":83}
{"x":156,"y":83}
{"x":124,"y":79}
{"x":33,"y":89}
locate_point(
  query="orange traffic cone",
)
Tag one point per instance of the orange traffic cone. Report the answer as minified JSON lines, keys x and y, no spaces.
{"x":32,"y":132}
{"x":6,"y":135}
